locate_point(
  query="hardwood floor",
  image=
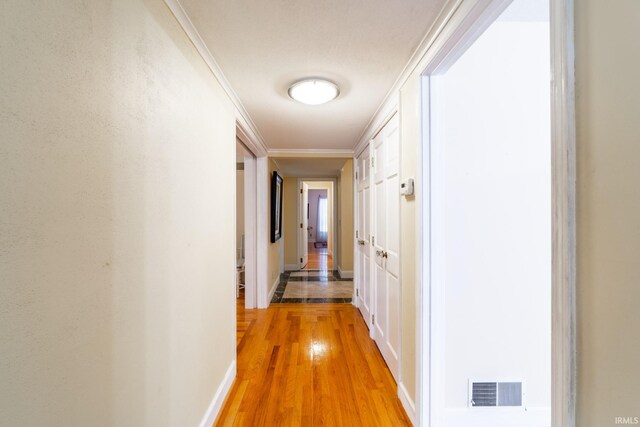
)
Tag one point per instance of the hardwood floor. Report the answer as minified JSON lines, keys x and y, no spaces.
{"x":319,"y":259}
{"x":309,"y":365}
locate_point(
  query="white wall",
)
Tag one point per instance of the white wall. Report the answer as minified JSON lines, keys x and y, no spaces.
{"x":313,"y":212}
{"x":491,"y":118}
{"x":116,"y":258}
{"x":239,"y":211}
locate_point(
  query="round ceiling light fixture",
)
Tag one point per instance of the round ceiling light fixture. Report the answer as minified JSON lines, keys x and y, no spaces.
{"x":314,"y":91}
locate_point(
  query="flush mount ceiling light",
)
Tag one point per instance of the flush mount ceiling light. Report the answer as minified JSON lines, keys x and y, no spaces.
{"x":314,"y":91}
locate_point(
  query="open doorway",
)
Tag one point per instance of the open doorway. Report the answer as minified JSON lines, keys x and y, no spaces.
{"x":320,"y":216}
{"x":487,"y":260}
{"x":312,"y":220}
{"x":316,"y":236}
{"x":246,"y":227}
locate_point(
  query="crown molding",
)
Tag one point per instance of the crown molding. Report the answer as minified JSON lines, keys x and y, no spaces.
{"x":298,"y":153}
{"x":389,"y":104}
{"x":250,"y":134}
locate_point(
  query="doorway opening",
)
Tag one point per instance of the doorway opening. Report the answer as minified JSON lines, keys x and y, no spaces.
{"x":487,"y":261}
{"x":246,"y":227}
{"x":319,"y":256}
{"x":314,"y":278}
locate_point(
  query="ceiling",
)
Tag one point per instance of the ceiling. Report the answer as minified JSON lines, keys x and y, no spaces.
{"x":263,"y":47}
{"x":310,"y":167}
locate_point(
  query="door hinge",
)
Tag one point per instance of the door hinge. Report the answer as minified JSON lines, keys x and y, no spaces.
{"x":356,"y":234}
{"x":356,"y":176}
{"x":373,"y":240}
{"x":301,"y":191}
{"x":373,"y":318}
{"x":357,"y":292}
{"x":300,"y":225}
{"x":372,"y":162}
{"x":300,"y":259}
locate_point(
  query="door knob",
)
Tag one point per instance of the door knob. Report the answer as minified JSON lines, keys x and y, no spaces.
{"x":385,"y":254}
{"x":361,"y":242}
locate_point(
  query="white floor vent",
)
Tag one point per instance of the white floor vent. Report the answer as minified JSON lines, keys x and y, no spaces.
{"x":489,"y":393}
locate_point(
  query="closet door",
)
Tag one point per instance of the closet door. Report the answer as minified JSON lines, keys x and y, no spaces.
{"x":385,"y":241}
{"x":364,"y":296}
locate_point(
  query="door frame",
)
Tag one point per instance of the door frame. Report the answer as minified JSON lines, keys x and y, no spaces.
{"x":334,"y":214}
{"x":463,"y":26}
{"x":250,"y":220}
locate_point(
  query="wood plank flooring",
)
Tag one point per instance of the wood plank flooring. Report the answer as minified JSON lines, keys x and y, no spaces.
{"x":309,"y":365}
{"x":319,"y":259}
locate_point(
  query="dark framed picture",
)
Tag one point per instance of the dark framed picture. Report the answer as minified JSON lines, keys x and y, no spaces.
{"x":276,"y":207}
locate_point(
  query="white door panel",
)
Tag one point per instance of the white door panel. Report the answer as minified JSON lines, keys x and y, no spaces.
{"x":363,"y":281}
{"x":386,"y":244}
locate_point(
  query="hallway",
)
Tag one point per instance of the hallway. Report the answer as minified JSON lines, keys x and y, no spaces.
{"x":319,"y":258}
{"x":309,"y":365}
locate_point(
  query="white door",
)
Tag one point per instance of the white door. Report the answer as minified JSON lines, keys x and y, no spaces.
{"x":386,"y":243}
{"x":363,"y":237}
{"x":303,"y":240}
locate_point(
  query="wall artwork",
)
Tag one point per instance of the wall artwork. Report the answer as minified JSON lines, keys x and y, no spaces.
{"x":276,"y":207}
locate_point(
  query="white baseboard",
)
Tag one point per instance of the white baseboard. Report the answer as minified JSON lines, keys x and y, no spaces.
{"x":345,"y":274}
{"x":273,"y":288}
{"x":218,"y":399}
{"x":291,"y":267}
{"x":408,"y":404}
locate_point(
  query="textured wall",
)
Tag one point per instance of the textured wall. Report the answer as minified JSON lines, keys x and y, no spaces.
{"x":608,"y":202}
{"x":116,"y":258}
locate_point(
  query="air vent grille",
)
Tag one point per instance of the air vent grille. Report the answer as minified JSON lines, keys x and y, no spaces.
{"x":488,"y":393}
{"x":509,"y":394}
{"x":484,"y":394}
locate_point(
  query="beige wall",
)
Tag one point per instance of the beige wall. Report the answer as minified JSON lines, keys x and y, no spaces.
{"x":273,"y":250}
{"x":345,"y":215}
{"x":290,"y":212}
{"x":410,"y":125}
{"x":608,"y":202}
{"x":117,"y":297}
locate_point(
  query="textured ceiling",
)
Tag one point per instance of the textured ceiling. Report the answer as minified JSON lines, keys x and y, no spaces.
{"x":264,"y":46}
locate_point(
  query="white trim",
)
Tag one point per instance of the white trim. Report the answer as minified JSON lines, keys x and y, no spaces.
{"x":291,"y":267}
{"x":218,"y":398}
{"x":250,"y":232}
{"x":345,"y":274}
{"x":391,"y":98}
{"x":334,"y":228}
{"x":356,"y":225}
{"x":250,"y":131}
{"x":315,"y":152}
{"x":262,"y":233}
{"x":273,"y":288}
{"x":563,"y":157}
{"x":408,"y":404}
{"x":248,"y":137}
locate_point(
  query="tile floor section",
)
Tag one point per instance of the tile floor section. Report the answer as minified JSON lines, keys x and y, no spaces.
{"x":313,"y":286}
